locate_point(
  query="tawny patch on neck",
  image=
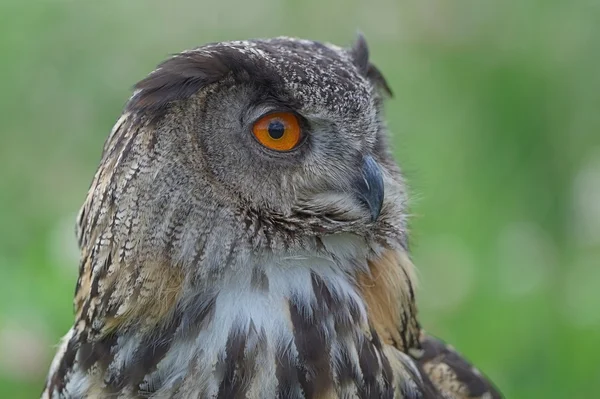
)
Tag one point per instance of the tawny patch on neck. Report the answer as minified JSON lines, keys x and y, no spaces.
{"x":387,"y":289}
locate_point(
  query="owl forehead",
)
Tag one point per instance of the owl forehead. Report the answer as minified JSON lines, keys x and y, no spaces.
{"x":314,"y":76}
{"x":314,"y":73}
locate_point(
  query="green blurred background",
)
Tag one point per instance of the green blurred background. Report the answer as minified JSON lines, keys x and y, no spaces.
{"x":495,"y":120}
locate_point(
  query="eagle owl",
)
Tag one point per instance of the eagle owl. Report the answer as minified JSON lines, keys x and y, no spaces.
{"x":245,"y":237}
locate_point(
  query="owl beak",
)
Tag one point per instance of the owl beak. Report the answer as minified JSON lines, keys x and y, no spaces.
{"x":369,"y":187}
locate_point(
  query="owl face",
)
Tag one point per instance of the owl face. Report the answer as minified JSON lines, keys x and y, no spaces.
{"x":284,"y":127}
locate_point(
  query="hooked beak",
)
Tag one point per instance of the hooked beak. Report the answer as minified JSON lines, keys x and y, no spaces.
{"x":369,"y":187}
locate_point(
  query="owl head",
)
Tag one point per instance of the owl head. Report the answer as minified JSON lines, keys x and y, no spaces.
{"x":281,"y":138}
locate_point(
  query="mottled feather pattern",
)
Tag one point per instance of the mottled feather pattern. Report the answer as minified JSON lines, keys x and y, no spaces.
{"x":450,"y":373}
{"x":211,"y":268}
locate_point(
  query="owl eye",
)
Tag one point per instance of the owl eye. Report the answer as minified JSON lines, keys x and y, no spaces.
{"x":278,"y":131}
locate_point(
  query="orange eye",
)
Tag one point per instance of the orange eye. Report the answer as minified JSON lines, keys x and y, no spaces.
{"x":278,"y":131}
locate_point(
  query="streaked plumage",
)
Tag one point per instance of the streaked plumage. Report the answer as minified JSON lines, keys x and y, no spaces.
{"x":213,"y":268}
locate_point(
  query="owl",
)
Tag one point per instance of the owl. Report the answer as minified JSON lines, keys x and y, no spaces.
{"x":245,"y":236}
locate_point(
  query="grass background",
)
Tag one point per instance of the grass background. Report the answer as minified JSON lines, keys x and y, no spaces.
{"x":496,"y":122}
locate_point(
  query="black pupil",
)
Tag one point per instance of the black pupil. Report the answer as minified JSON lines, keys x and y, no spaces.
{"x":276,"y":129}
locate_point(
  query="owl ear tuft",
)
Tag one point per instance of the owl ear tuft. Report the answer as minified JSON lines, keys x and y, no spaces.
{"x":175,"y":79}
{"x":360,"y":55}
{"x":184,"y":74}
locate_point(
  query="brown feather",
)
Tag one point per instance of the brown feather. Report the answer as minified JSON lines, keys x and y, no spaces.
{"x":387,"y":289}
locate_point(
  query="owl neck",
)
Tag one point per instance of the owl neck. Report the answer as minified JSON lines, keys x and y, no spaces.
{"x":297,"y":323}
{"x":303,"y":322}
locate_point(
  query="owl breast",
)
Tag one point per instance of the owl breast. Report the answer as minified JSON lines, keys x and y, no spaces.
{"x":290,"y":327}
